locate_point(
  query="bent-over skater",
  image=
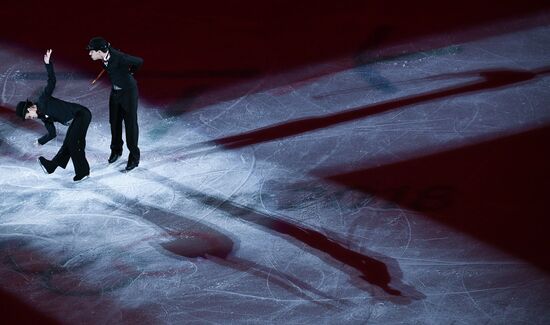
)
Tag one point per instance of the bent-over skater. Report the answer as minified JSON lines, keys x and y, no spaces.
{"x":50,"y":109}
{"x":123,"y":101}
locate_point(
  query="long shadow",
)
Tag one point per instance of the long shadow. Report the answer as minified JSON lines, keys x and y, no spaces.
{"x":190,"y":239}
{"x":489,"y":79}
{"x":496,"y":191}
{"x":182,"y":238}
{"x":377,"y":270}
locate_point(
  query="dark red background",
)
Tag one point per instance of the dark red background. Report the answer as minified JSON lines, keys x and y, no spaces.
{"x":193,"y":47}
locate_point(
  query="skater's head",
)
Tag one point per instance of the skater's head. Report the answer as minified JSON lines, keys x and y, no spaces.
{"x":27,"y":110}
{"x":98,"y":47}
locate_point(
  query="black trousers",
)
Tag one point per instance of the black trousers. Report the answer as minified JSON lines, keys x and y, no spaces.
{"x":123,"y":107}
{"x":74,"y":144}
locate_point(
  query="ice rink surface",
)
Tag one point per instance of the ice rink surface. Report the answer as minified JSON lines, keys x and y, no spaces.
{"x":397,"y":189}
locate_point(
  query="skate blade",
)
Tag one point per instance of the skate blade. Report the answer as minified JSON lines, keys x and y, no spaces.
{"x":42,"y":166}
{"x":83,"y":178}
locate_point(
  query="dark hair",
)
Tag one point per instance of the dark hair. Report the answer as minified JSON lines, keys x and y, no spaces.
{"x":98,"y":44}
{"x":22,"y":108}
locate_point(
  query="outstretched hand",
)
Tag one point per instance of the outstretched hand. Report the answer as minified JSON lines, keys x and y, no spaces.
{"x":47,"y":56}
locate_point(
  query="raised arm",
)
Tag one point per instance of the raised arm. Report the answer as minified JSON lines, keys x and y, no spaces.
{"x":51,"y":75}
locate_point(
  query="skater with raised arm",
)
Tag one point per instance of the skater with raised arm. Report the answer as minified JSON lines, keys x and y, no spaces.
{"x":49,"y":110}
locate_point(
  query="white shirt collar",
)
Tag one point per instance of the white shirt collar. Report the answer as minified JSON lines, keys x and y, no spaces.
{"x":107,"y":57}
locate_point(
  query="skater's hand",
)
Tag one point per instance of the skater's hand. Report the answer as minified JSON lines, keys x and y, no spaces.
{"x":47,"y":56}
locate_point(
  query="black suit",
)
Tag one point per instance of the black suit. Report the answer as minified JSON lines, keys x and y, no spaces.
{"x":50,"y":110}
{"x":123,"y":101}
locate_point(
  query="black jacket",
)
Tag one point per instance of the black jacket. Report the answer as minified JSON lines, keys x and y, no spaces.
{"x":121,"y":68}
{"x":52,"y":109}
